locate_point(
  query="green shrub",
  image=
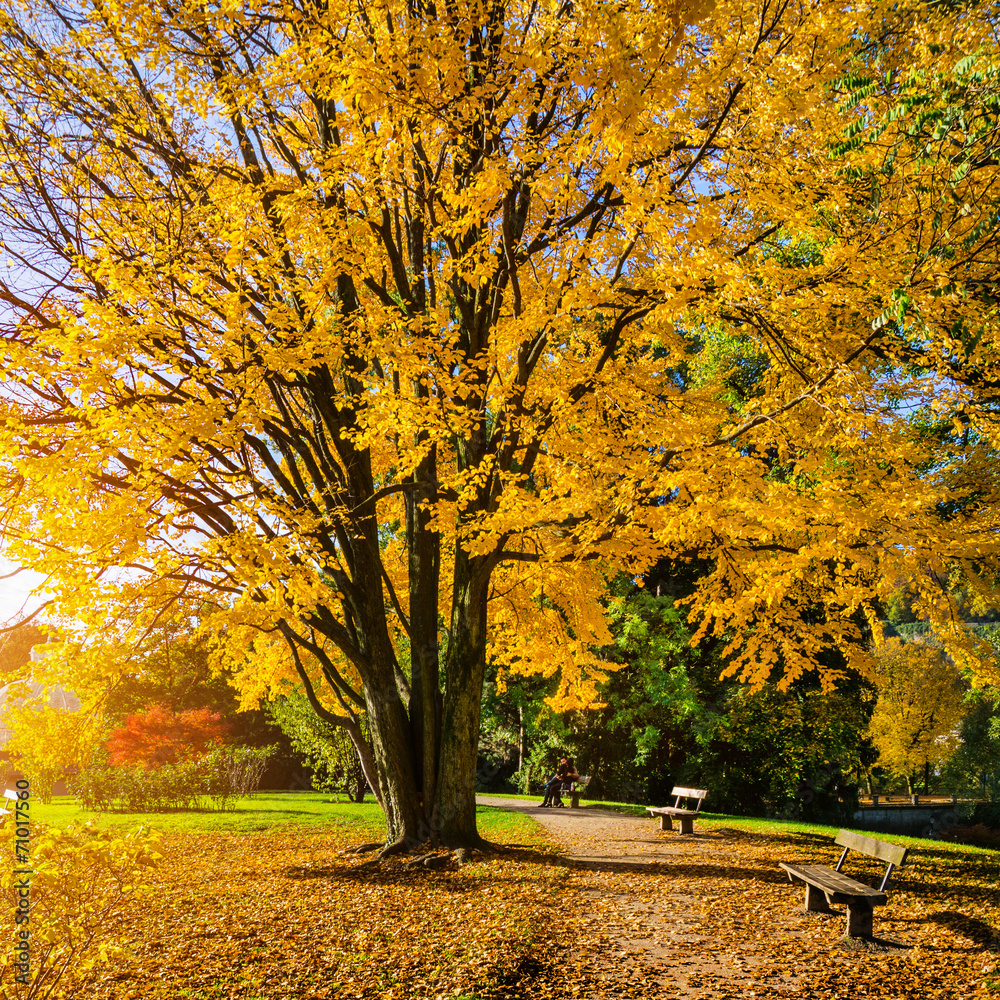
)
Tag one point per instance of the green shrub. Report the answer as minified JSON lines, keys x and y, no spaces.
{"x":216,"y":780}
{"x":231,"y":773}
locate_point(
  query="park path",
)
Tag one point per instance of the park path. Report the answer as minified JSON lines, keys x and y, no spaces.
{"x":649,"y":900}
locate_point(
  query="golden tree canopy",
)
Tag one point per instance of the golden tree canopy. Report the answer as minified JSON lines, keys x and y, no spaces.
{"x":919,"y":708}
{"x":393,"y":329}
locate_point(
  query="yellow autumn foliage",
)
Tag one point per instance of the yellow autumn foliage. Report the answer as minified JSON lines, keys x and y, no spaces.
{"x":47,"y":743}
{"x":919,"y":709}
{"x":383,"y":332}
{"x":79,"y":882}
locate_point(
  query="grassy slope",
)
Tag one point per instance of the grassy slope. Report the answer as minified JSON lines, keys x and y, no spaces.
{"x":751,"y":824}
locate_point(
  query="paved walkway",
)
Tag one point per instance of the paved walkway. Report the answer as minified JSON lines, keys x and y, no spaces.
{"x":649,"y":921}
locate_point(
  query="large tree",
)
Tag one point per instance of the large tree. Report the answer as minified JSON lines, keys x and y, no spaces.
{"x":374,"y":325}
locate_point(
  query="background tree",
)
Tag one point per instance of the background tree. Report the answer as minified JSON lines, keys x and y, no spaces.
{"x":326,"y":749}
{"x":48,"y":743}
{"x":515,"y":722}
{"x":915,"y":725}
{"x":16,"y":646}
{"x":159,"y":736}
{"x":396,"y":297}
{"x":975,"y":766}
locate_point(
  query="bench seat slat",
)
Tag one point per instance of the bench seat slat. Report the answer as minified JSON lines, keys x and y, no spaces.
{"x":670,"y":811}
{"x":836,"y":885}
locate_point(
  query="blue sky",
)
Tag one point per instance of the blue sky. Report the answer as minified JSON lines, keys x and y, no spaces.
{"x":16,"y":600}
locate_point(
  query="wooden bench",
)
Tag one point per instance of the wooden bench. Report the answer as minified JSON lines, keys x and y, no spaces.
{"x":830,"y":885}
{"x":7,"y":809}
{"x":668,"y":814}
{"x":573,"y":790}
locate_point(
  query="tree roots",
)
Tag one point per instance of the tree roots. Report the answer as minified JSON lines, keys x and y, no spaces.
{"x":364,"y":848}
{"x":433,"y":860}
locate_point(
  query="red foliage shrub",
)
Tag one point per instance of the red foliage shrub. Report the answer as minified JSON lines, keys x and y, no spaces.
{"x":159,"y":736}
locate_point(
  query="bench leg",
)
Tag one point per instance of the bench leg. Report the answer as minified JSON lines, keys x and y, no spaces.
{"x":816,"y":900}
{"x":687,"y":824}
{"x":665,"y":823}
{"x":859,"y":919}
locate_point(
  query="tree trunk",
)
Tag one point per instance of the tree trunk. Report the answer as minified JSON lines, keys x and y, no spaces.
{"x":424,"y":556}
{"x":456,"y":804}
{"x":465,"y":668}
{"x":384,"y":688}
{"x":392,"y":748}
{"x":521,"y":745}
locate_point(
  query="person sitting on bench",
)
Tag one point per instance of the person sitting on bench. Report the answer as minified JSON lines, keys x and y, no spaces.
{"x":572,"y":775}
{"x":554,"y":783}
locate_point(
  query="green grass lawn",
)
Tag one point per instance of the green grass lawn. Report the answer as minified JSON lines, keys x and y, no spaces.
{"x":268,"y":811}
{"x":322,"y":811}
{"x":776,"y":827}
{"x":264,"y":811}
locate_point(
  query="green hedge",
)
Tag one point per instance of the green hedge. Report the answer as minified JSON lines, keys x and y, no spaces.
{"x":215,"y":780}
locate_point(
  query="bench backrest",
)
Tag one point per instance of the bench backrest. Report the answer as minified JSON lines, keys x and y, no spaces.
{"x":892,"y":854}
{"x":5,"y":807}
{"x":688,"y":793}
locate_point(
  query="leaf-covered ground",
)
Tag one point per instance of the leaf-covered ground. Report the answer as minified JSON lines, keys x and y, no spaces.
{"x":713,"y":916}
{"x":287,"y":914}
{"x":624,"y":910}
